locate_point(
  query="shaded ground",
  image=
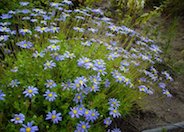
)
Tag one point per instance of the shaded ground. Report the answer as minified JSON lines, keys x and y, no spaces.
{"x":159,"y":110}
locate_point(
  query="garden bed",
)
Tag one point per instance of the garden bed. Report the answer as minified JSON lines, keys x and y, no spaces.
{"x":60,"y":63}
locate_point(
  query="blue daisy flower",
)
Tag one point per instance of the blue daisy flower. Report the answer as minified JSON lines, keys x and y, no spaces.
{"x":2,"y":95}
{"x":25,"y":44}
{"x":25,"y":31}
{"x":5,"y":29}
{"x":93,"y":115}
{"x":167,"y":93}
{"x":36,"y":54}
{"x":82,"y":126}
{"x":114,"y":103}
{"x":18,"y":118}
{"x":79,"y":83}
{"x":78,"y":98}
{"x":94,"y":88}
{"x":75,"y":112}
{"x":14,"y":83}
{"x":162,"y":85}
{"x":53,"y":47}
{"x":54,"y":117}
{"x":49,"y":65}
{"x":42,"y":29}
{"x":29,"y":127}
{"x":107,"y":83}
{"x":50,"y":84}
{"x":116,"y":130}
{"x":24,"y":3}
{"x":5,"y":16}
{"x":30,"y":91}
{"x":107,"y":121}
{"x":85,"y":62}
{"x":114,"y":112}
{"x":69,"y":55}
{"x":50,"y":96}
{"x":4,"y":38}
{"x":54,"y":29}
{"x":95,"y":79}
{"x":79,"y":29}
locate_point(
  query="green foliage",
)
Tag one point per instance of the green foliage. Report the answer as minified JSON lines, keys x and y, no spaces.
{"x":145,"y":17}
{"x":128,"y":7}
{"x":31,"y":73}
{"x":91,"y":2}
{"x":132,"y":13}
{"x":170,"y":7}
{"x":6,"y":5}
{"x":174,"y":7}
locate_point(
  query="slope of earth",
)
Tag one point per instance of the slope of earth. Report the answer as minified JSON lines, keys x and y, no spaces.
{"x":158,"y":110}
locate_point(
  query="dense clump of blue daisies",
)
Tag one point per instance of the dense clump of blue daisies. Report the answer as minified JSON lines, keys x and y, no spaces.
{"x":69,"y":71}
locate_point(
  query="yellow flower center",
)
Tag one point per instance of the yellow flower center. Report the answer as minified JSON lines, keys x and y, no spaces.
{"x":50,"y":94}
{"x":17,"y":118}
{"x":78,"y":97}
{"x":115,"y":111}
{"x":50,"y":83}
{"x":53,"y":46}
{"x":100,"y":70}
{"x":30,"y":91}
{"x":84,"y":126}
{"x":93,"y":114}
{"x":87,"y":112}
{"x":25,"y":45}
{"x":42,"y":28}
{"x":81,"y":82}
{"x":93,"y":87}
{"x":53,"y":117}
{"x":48,"y":64}
{"x":28,"y":129}
{"x":75,"y":111}
{"x":86,"y":61}
{"x":25,"y":30}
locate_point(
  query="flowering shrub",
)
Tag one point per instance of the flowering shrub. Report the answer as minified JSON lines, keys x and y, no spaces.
{"x":67,"y":70}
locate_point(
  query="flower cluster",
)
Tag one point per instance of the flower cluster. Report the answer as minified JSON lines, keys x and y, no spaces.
{"x":66,"y":76}
{"x":89,"y":115}
{"x":114,"y":104}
